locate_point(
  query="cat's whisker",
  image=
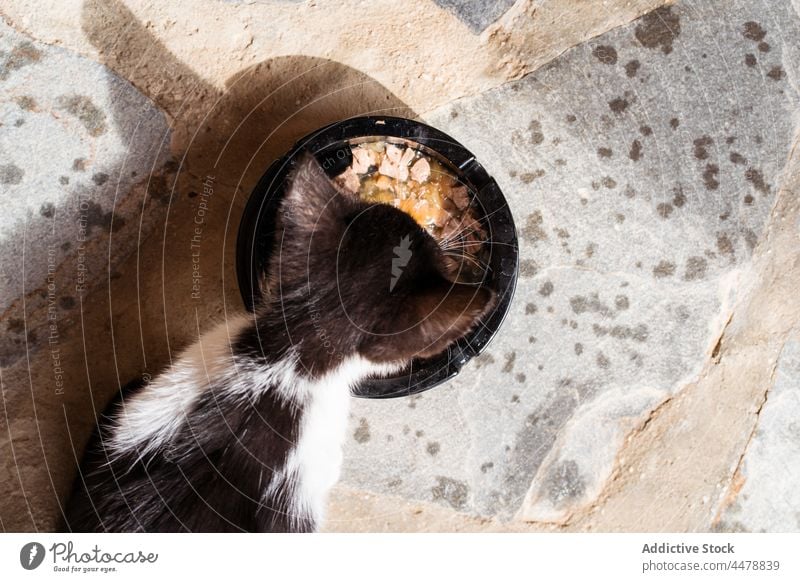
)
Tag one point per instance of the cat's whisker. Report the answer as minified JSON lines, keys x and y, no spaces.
{"x":468,"y":226}
{"x":473,"y":260}
{"x":462,"y":228}
{"x":454,"y":236}
{"x":460,"y":245}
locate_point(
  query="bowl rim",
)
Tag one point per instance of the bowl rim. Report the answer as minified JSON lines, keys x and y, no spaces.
{"x":254,"y":238}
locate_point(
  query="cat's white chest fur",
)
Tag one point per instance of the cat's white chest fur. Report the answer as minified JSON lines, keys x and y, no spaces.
{"x":316,"y":461}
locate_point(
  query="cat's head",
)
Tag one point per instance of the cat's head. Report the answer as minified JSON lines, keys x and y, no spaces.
{"x":351,"y":277}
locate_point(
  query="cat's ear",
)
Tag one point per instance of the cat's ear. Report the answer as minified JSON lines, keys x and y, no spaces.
{"x":310,"y":194}
{"x":448,"y":311}
{"x":434,"y":318}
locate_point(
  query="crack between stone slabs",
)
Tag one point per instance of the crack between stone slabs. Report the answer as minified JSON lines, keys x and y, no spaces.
{"x":616,"y":471}
{"x":716,"y":351}
{"x":514,"y":78}
{"x":715,"y":359}
{"x":25,"y":32}
{"x":605,"y":492}
{"x":590,"y":38}
{"x":737,"y":479}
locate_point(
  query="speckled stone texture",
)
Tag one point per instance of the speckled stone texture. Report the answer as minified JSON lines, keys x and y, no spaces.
{"x":79,"y":147}
{"x":646,"y":378}
{"x":641,"y":168}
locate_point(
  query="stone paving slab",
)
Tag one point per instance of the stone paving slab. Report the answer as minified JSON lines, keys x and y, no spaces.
{"x":642,"y":168}
{"x":78,"y":148}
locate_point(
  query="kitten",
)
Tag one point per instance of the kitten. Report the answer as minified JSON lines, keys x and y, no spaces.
{"x":244,"y":431}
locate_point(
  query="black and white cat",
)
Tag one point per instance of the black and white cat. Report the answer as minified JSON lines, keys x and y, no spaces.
{"x":244,"y":431}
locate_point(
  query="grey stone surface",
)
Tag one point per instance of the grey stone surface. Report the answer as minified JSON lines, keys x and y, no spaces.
{"x":78,"y":149}
{"x":641,"y":168}
{"x":477,"y":14}
{"x":769,"y":497}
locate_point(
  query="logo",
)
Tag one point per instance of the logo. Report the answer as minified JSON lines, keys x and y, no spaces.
{"x":31,"y":555}
{"x":402,"y":254}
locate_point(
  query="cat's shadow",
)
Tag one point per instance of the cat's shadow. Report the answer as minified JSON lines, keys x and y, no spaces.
{"x":222,"y":140}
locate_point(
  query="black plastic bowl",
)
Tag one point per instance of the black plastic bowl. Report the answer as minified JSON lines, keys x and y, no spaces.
{"x":331,"y":146}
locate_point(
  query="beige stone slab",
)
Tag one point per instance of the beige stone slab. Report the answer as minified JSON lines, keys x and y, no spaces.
{"x":421,"y":52}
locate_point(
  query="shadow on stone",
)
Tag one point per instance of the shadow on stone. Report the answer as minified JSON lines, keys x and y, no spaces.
{"x":153,"y":299}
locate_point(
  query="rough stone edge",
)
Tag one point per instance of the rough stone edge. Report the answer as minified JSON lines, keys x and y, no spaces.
{"x":647,"y":440}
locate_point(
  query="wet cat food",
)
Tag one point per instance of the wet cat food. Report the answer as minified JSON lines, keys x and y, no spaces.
{"x":422,"y":187}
